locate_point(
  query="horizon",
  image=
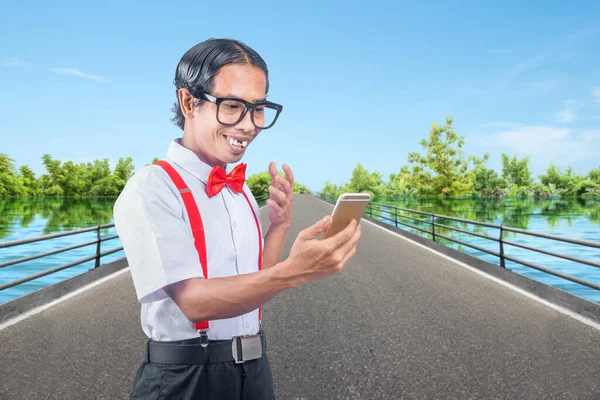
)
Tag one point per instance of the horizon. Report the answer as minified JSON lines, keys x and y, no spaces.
{"x":358,"y":83}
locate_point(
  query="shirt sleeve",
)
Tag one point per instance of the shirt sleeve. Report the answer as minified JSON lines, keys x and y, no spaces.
{"x":156,"y":238}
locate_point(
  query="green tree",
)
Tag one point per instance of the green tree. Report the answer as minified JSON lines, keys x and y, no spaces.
{"x":554,"y":176}
{"x":98,"y":173}
{"x":568,"y":182}
{"x":301,"y":189}
{"x":594,"y":175}
{"x":399,"y":185}
{"x":10,"y":184}
{"x":516,"y":171}
{"x":27,"y":177}
{"x":52,"y":169}
{"x":487,"y":181}
{"x":364,"y":182}
{"x":331,"y":190}
{"x":123,"y":171}
{"x":444,"y":169}
{"x":107,"y":186}
{"x":259,"y":183}
{"x":73,"y":180}
{"x":584,"y":186}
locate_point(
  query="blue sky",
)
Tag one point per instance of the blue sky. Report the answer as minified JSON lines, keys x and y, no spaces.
{"x":359,"y":81}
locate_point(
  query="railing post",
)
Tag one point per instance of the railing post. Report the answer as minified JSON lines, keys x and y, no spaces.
{"x":502,"y":247}
{"x":370,"y":210}
{"x":396,"y":216}
{"x":97,"y":247}
{"x":433,"y":225}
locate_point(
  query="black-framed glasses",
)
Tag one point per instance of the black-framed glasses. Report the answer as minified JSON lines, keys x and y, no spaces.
{"x":230,"y":111}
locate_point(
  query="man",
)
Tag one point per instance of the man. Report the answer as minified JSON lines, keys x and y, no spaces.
{"x":193,"y":240}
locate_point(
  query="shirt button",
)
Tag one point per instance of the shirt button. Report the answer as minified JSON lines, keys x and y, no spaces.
{"x":234,"y":224}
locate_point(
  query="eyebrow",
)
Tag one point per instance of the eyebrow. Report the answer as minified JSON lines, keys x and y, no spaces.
{"x":236,"y":97}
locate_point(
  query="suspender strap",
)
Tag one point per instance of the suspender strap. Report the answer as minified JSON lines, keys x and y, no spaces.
{"x":198,"y":229}
{"x":260,"y":256}
{"x":195,"y":222}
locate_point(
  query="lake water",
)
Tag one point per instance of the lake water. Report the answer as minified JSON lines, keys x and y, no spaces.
{"x":25,"y":218}
{"x":572,"y":218}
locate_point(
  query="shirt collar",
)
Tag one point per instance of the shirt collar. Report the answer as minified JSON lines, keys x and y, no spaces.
{"x":188,"y":160}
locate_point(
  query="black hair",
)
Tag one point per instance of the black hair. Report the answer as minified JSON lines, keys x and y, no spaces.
{"x":200,"y":64}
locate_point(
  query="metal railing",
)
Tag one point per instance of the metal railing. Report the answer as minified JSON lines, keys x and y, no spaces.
{"x":261,"y":200}
{"x":397,"y":216}
{"x":97,"y":256}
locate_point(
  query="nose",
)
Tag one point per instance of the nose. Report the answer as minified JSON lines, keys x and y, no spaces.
{"x":246,"y":124}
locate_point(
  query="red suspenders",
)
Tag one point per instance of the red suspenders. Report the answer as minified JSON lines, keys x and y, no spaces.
{"x":198,"y":230}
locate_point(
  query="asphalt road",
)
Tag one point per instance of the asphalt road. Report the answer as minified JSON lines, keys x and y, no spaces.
{"x":400,"y":322}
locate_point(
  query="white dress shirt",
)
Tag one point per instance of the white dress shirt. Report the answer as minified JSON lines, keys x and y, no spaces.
{"x":153,"y":226}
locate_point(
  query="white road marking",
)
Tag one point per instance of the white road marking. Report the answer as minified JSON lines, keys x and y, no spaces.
{"x":563,"y":310}
{"x":39,"y":309}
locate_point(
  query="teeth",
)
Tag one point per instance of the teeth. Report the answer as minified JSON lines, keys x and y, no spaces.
{"x":238,"y":144}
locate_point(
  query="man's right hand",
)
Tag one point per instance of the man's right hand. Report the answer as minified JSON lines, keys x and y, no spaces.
{"x":227,"y":297}
{"x":313,"y":259}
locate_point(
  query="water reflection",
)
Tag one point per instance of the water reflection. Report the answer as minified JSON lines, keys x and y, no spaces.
{"x":59,"y":214}
{"x":513,"y":212}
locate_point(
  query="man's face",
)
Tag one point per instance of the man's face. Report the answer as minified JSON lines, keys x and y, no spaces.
{"x":212,"y":140}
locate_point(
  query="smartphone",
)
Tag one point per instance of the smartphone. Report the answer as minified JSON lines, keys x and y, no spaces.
{"x":349,"y":206}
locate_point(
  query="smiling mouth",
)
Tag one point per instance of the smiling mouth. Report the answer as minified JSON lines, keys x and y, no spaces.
{"x":237,"y":143}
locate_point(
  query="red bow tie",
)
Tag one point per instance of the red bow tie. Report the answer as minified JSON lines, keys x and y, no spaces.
{"x":218,"y":178}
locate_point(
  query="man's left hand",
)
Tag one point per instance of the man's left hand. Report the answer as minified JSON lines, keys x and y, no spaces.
{"x":281,"y":194}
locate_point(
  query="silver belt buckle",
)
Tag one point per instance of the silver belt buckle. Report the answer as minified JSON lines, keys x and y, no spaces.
{"x":246,"y":348}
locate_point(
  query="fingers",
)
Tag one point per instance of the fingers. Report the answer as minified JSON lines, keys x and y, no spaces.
{"x":343,"y":236}
{"x":289,"y":175}
{"x":347,"y":246}
{"x":346,"y":258}
{"x":273,"y":171}
{"x":340,"y":252}
{"x":316,"y":229}
{"x":284,"y":185}
{"x":273,"y":204}
{"x":278,"y":196}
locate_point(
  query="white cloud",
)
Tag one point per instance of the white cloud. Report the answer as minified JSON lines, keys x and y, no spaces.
{"x":14,"y":62}
{"x":77,"y":73}
{"x":544,"y":144}
{"x":567,"y":114}
{"x":596,"y":93}
{"x":529,"y":139}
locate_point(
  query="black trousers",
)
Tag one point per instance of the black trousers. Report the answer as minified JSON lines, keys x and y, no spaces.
{"x":219,"y":381}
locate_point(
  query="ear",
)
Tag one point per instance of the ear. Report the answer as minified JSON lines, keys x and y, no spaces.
{"x":186,"y":103}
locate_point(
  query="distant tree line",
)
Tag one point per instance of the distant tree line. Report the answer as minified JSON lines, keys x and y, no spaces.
{"x":89,"y":179}
{"x":445,"y":170}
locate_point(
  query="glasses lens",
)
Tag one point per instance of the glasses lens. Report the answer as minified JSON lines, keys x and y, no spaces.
{"x":264,"y":115}
{"x":230,"y":111}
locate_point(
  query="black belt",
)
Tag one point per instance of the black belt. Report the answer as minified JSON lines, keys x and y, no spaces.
{"x":238,"y":350}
